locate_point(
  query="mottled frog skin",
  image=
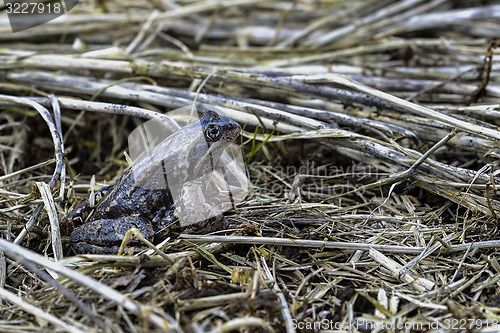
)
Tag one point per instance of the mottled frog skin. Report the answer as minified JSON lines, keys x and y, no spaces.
{"x":142,"y":199}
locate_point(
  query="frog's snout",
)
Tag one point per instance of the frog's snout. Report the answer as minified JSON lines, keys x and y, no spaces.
{"x":232,"y":128}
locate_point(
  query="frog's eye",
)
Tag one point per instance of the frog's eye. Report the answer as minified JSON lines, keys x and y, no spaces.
{"x":213,"y":132}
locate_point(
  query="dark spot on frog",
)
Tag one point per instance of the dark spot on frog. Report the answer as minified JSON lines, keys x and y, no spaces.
{"x":141,"y":198}
{"x":105,"y":236}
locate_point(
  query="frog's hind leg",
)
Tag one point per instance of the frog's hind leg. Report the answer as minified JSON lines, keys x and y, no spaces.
{"x":105,"y":236}
{"x":81,"y":248}
{"x":82,"y":210}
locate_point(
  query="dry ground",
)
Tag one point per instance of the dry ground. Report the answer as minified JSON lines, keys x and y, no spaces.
{"x":371,"y":132}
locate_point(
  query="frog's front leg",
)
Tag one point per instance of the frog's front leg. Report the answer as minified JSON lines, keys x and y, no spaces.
{"x":193,"y":210}
{"x":105,"y":236}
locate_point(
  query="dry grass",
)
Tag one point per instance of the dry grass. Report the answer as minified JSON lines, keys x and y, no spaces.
{"x":374,"y":196}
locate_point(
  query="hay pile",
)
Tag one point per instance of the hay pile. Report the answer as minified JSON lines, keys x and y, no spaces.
{"x":371,"y":134}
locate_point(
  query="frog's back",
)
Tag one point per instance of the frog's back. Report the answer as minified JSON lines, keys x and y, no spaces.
{"x":129,"y":199}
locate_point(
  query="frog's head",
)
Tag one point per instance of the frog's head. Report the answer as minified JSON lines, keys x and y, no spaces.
{"x":219,"y":131}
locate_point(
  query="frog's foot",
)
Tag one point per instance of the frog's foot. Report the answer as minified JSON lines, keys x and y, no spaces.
{"x":238,"y":225}
{"x":105,"y":236}
{"x":203,"y":224}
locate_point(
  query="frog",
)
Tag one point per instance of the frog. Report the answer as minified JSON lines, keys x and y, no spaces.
{"x":142,"y":197}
